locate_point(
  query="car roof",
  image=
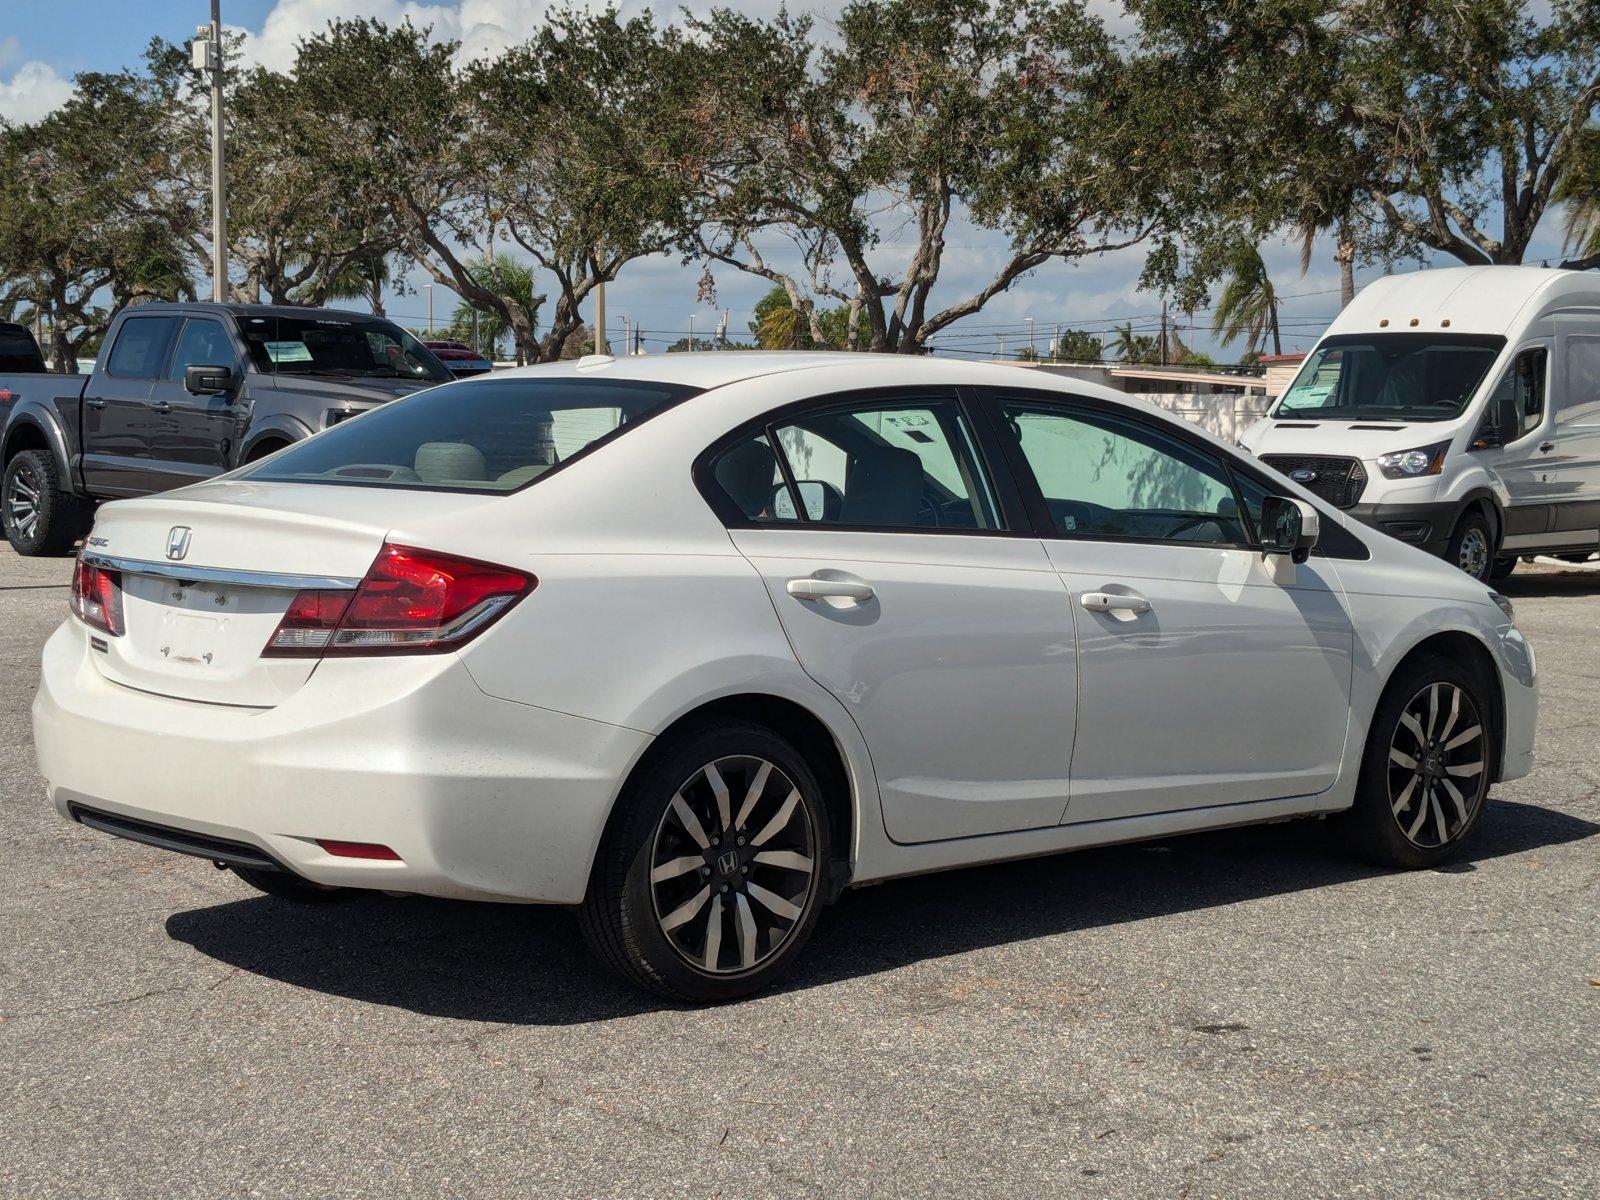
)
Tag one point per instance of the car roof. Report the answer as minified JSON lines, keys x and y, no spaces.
{"x":709,"y":369}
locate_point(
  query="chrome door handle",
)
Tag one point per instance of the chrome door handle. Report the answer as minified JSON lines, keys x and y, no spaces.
{"x":1546,"y":447}
{"x":1113,"y":602}
{"x":811,"y":588}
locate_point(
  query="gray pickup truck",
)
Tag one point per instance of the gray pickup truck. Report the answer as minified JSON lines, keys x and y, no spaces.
{"x":182,"y":392}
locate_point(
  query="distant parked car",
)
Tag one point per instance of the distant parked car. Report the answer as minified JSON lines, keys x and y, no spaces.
{"x":695,"y":641}
{"x":459,"y":360}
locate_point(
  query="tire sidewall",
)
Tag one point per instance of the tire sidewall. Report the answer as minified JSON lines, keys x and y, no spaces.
{"x":27,"y":463}
{"x":1371,"y":820}
{"x":632,"y":841}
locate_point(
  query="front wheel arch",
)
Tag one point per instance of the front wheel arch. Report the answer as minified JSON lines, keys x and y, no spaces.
{"x":1463,"y":647}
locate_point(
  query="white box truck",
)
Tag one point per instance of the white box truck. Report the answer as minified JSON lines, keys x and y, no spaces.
{"x":1455,"y":409}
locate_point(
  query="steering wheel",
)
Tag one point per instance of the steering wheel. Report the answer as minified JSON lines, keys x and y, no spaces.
{"x":1194,"y":523}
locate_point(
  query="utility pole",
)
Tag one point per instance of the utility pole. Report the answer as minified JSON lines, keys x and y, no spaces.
{"x":205,"y":54}
{"x":1031,"y":351}
{"x":691,"y":331}
{"x":627,"y":334}
{"x":428,"y":287}
{"x":1055,"y":343}
{"x":1163,"y":333}
{"x":600,"y":317}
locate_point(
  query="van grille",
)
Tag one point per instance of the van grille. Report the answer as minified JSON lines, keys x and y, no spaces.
{"x":1339,"y":481}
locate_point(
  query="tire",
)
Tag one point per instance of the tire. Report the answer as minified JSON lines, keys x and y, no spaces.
{"x":40,"y":516}
{"x":1503,"y":567}
{"x":289,"y":887}
{"x":1404,"y":814}
{"x":262,"y":449}
{"x":1472,"y":547}
{"x":655,"y":928}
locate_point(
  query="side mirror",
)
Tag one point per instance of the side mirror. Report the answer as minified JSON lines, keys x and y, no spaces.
{"x":1489,"y":437}
{"x":208,"y":380}
{"x":821,"y":499}
{"x":1288,"y":526}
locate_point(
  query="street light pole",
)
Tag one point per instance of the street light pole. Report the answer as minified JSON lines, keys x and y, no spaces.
{"x":428,"y":287}
{"x":219,"y":207}
{"x":600,"y":317}
{"x":1030,"y":336}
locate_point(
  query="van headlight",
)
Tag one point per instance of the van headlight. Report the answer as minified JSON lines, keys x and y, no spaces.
{"x":1409,"y":464}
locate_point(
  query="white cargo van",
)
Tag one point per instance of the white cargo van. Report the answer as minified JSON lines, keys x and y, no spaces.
{"x":1455,"y":409}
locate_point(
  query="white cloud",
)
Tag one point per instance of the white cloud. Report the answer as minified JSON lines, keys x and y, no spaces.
{"x":33,"y":90}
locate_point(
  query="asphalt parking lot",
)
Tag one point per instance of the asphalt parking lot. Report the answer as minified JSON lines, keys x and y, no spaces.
{"x":1235,"y":1014}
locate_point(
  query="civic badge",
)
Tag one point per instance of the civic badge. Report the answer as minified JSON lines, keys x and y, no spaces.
{"x":178,"y":541}
{"x":1299,"y":475}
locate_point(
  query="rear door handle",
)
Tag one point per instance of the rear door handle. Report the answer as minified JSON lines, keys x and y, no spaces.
{"x":161,"y":406}
{"x":1546,"y":447}
{"x":812,"y":588}
{"x":95,"y":403}
{"x":1114,"y":602}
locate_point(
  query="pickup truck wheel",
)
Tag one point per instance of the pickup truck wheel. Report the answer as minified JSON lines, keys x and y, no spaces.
{"x":40,"y":516}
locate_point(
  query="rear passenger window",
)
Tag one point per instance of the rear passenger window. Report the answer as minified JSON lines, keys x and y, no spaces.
{"x":750,"y":477}
{"x":140,"y":347}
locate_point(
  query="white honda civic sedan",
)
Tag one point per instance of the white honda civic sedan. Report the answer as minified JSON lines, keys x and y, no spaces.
{"x":694,"y":642}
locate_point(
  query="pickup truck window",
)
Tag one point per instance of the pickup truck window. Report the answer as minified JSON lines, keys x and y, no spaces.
{"x":140,"y":347}
{"x":203,"y":343}
{"x":338,"y":345}
{"x":479,"y":436}
{"x":19,"y":355}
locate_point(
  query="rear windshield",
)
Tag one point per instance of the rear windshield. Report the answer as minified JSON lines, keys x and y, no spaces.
{"x":19,"y":354}
{"x":1390,"y":376}
{"x":338,"y":345}
{"x":489,"y":435}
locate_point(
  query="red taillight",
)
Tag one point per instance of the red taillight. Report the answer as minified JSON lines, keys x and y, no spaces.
{"x":97,"y":597}
{"x":411,"y":601}
{"x":358,"y":850}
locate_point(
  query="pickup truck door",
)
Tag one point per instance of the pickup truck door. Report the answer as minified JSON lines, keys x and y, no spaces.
{"x":117,"y":420}
{"x":193,"y":435}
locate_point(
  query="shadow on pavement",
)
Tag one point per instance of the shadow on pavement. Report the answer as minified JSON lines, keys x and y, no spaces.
{"x":1550,"y":583}
{"x":521,"y":964}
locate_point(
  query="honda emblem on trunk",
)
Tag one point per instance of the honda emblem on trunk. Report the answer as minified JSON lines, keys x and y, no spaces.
{"x":178,"y":541}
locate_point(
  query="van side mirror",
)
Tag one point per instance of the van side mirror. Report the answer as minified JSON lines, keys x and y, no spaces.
{"x":208,"y":380}
{"x":1288,"y":526}
{"x":1489,"y":438}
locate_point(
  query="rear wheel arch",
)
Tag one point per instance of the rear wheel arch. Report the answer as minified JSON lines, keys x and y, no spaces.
{"x":25,"y":434}
{"x":810,"y":736}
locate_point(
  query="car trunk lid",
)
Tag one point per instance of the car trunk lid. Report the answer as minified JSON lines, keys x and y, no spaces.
{"x":207,"y":577}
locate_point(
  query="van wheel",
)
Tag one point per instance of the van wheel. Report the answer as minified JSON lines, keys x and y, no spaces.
{"x":1471,"y":547}
{"x":709,"y":880}
{"x":40,"y":516}
{"x":1426,"y":769}
{"x":1503,"y":567}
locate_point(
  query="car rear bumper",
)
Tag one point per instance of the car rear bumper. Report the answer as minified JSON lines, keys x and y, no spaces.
{"x":481,"y":798}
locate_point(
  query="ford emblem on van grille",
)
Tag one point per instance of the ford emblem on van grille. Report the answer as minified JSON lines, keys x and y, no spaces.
{"x":1302,"y":475}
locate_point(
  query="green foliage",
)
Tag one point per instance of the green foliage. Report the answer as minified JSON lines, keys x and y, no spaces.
{"x":1133,"y":347}
{"x":1075,"y":345}
{"x":780,"y":325}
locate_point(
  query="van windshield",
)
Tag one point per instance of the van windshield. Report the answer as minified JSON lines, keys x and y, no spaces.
{"x":488,"y":435}
{"x":1390,"y":376}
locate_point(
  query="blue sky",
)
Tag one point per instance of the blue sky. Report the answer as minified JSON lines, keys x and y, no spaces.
{"x":44,"y":42}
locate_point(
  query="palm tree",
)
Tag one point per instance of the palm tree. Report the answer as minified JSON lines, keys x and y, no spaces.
{"x":1248,"y":306}
{"x":1579,"y":190}
{"x":507,"y":277}
{"x":361,"y":278}
{"x":1133,"y":347}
